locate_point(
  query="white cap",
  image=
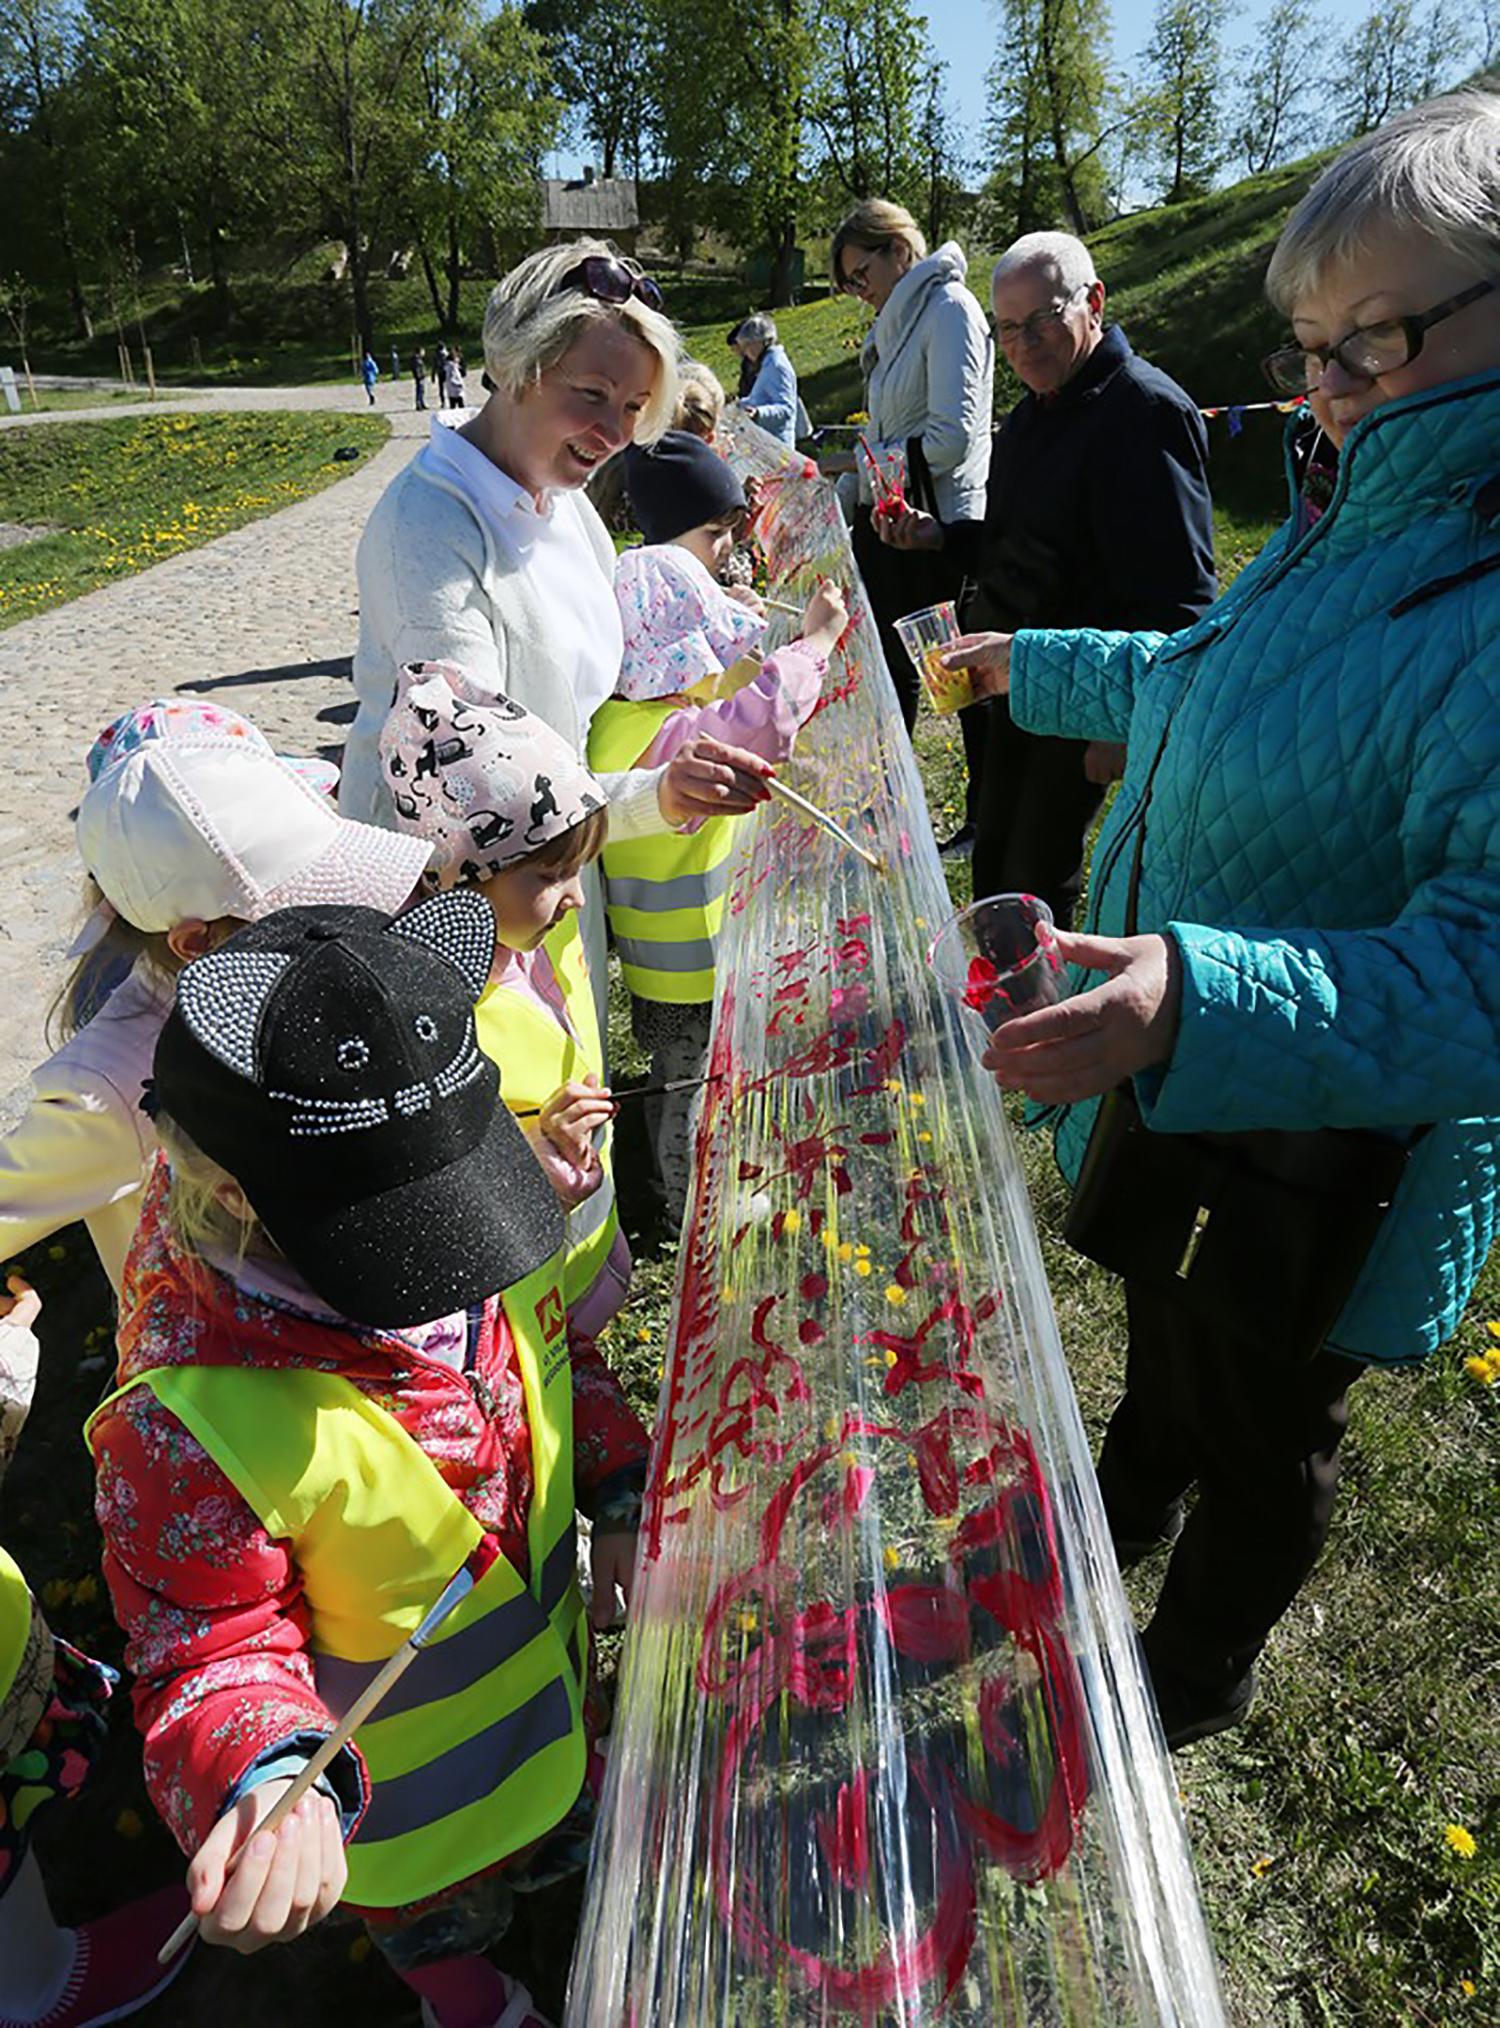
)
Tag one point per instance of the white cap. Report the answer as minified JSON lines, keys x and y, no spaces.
{"x":214,"y":827}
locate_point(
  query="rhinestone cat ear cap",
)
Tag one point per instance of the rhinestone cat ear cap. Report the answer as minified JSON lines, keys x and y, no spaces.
{"x":326,"y":1058}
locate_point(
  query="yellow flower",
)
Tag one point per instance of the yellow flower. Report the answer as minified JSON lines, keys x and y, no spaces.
{"x":863,"y":1252}
{"x":1478,"y":1368}
{"x":861,"y":1267}
{"x":846,"y":1251}
{"x":917,"y":1099}
{"x":924,"y":1135}
{"x":792,"y":1222}
{"x":1459,"y":1841}
{"x":894,"y":1293}
{"x":1261,"y":1867}
{"x":892,"y":1557}
{"x":1468,"y":1988}
{"x":643,"y":1337}
{"x":1494,"y":1330}
{"x":85,"y":1590}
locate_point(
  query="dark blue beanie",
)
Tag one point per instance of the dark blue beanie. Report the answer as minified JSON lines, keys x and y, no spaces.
{"x":677,"y":483}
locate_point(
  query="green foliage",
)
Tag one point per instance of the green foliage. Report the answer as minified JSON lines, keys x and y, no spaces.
{"x":1274,"y":116}
{"x":127,"y":493}
{"x":1054,"y":102}
{"x":1184,"y":61}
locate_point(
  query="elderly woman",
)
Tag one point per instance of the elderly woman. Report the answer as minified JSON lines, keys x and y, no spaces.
{"x":485,"y":552}
{"x":771,"y":396}
{"x":1296,"y":906}
{"x":929,"y":367}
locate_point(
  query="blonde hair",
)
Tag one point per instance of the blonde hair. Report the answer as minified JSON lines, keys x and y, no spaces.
{"x":871,"y":227}
{"x":529,"y":326}
{"x":570,"y":850}
{"x":1433,"y":170}
{"x":700,"y":400}
{"x":206,"y":1211}
{"x":121,"y":944}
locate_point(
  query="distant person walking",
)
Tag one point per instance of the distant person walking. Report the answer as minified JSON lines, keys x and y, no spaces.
{"x":453,"y":382}
{"x":440,"y":372}
{"x":369,"y":373}
{"x":395,"y":364}
{"x":771,"y":398}
{"x":419,"y":376}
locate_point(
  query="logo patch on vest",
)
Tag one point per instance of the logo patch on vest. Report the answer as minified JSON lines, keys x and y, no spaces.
{"x":550,"y":1314}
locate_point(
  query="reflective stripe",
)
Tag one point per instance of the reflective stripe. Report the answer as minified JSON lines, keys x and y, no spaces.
{"x":473,"y":1768}
{"x":557,"y":1571}
{"x":441,"y":1670}
{"x":684,"y":890}
{"x":694,"y":955}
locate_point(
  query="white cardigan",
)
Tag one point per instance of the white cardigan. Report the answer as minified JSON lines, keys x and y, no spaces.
{"x":435,"y":587}
{"x":929,"y":366}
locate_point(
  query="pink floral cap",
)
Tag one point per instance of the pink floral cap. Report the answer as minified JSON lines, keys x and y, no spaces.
{"x":190,"y":718}
{"x":485,"y":781}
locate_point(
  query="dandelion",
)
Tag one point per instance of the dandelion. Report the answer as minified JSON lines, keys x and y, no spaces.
{"x":845,"y":1252}
{"x":1261,"y":1867}
{"x":792,"y":1220}
{"x":862,"y":1267}
{"x":892,"y":1557}
{"x":643,"y":1337}
{"x":1459,"y":1841}
{"x":862,"y":1252}
{"x":1468,"y":1988}
{"x":1478,"y":1368}
{"x":894,"y":1293}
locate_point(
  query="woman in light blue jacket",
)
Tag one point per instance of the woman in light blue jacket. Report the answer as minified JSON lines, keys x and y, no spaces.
{"x":1315,"y":938}
{"x":771,"y":398}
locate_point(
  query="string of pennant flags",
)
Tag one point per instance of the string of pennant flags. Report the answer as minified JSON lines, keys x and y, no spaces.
{"x":1236,"y":411}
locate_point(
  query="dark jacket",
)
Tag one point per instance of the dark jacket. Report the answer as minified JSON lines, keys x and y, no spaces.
{"x":1098,"y":511}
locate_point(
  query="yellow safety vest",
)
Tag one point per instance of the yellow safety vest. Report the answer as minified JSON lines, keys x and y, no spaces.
{"x":535,"y":1055}
{"x":664,"y":894}
{"x":479,"y":1749}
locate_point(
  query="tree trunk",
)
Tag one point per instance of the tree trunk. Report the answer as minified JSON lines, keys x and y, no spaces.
{"x":781,"y":264}
{"x":430,"y":275}
{"x":81,"y":314}
{"x":455,"y":272}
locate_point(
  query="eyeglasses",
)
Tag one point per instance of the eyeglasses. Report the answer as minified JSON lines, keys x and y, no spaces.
{"x":610,"y":281}
{"x":853,"y":283}
{"x":1366,"y":353}
{"x":1039,"y":324}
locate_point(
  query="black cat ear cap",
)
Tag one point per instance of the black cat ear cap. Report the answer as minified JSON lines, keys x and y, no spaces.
{"x":326,"y":1058}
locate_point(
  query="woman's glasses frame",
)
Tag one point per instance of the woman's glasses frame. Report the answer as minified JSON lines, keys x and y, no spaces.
{"x":1298,"y":369}
{"x":855,"y":279}
{"x":609,"y":280}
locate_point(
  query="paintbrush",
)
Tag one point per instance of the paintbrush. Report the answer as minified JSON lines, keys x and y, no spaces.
{"x":821,"y":817}
{"x":458,"y":1587}
{"x":635,"y":1091}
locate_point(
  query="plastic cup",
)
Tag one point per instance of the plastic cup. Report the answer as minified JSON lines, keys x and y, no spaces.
{"x":999,"y":958}
{"x":924,"y":636}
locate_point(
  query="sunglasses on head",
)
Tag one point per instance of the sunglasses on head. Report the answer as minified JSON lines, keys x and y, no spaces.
{"x":608,"y":280}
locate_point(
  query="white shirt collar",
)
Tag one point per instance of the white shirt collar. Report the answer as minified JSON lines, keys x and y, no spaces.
{"x":501,"y":496}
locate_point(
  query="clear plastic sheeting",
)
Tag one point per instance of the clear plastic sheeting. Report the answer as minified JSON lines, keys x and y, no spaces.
{"x":883,"y":1751}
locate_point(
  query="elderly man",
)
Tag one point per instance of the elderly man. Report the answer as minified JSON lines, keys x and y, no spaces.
{"x":1097,"y":515}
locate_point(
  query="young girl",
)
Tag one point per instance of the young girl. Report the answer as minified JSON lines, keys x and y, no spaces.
{"x":52,"y":1724}
{"x":324,"y":1412}
{"x":508,"y":809}
{"x":687,"y":668}
{"x":190,"y":824}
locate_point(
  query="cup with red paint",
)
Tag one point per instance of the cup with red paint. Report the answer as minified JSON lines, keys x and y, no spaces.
{"x":999,"y":958}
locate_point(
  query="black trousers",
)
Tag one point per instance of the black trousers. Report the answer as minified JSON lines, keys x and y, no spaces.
{"x":1035,"y":808}
{"x":1259,"y":1437}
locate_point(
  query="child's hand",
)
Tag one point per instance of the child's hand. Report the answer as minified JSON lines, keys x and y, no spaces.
{"x":573,"y":1115}
{"x":824,"y":621}
{"x":285,"y":1880}
{"x":22,"y":1306}
{"x":612,"y":1563}
{"x":746,"y":595}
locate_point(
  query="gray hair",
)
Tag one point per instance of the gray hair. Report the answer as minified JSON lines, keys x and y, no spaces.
{"x":1433,"y":170}
{"x":758,"y":329}
{"x":528,"y":327}
{"x":1068,"y":258}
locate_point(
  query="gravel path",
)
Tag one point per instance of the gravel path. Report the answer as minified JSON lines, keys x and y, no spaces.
{"x":263,"y":620}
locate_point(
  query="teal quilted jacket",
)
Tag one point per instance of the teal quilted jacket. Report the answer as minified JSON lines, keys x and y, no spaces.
{"x":1323,"y":839}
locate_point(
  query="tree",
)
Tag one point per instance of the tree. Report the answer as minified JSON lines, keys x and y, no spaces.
{"x":15,"y":307}
{"x":862,"y":97}
{"x":604,"y":54}
{"x":1184,"y":60}
{"x":38,"y":51}
{"x":1273,"y":115}
{"x":942,"y":160}
{"x":1053,"y":101}
{"x":488,"y":115}
{"x":1394,"y":57}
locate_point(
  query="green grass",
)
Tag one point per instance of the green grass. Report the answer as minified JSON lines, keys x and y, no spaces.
{"x":56,"y":400}
{"x":124,"y":494}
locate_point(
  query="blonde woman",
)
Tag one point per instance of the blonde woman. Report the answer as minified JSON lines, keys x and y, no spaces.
{"x":485,"y":552}
{"x":929,"y":368}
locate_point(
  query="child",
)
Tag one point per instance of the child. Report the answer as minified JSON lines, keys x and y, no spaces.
{"x":323,"y":1413}
{"x":369,"y":373}
{"x":453,"y":382}
{"x":508,"y":809}
{"x":683,"y":631}
{"x":190,"y":824}
{"x":52,"y":1725}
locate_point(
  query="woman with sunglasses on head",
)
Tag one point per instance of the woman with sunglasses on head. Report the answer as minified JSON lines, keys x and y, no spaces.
{"x":929,"y":367}
{"x":485,"y":552}
{"x":1295,"y":917}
